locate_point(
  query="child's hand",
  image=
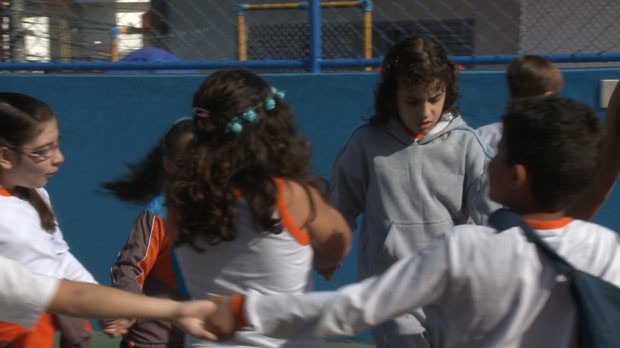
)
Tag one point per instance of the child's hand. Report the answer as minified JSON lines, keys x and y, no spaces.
{"x":193,"y":317}
{"x":222,"y":322}
{"x":116,"y":327}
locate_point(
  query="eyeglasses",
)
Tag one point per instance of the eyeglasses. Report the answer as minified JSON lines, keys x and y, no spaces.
{"x":41,"y":153}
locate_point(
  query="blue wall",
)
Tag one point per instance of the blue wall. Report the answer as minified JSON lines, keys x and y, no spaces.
{"x":107,"y":120}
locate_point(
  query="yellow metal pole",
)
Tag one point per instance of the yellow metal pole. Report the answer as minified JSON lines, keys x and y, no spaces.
{"x":65,"y":41}
{"x":285,"y":6}
{"x":241,"y":38}
{"x":340,"y":4}
{"x":114,"y":44}
{"x":368,"y":36}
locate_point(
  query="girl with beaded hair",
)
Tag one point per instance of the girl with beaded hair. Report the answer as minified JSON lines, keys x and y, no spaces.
{"x":247,"y":213}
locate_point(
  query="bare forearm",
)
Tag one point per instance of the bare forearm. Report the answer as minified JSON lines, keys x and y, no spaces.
{"x":92,"y":301}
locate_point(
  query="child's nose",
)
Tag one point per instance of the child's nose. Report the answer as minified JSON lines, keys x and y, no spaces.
{"x":58,"y":157}
{"x":428,"y":107}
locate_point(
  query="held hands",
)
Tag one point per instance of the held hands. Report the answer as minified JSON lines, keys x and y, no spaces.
{"x":221,"y":323}
{"x":194,"y":318}
{"x":116,"y":327}
{"x":190,"y":316}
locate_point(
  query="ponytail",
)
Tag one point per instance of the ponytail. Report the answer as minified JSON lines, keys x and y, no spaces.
{"x":48,"y":220}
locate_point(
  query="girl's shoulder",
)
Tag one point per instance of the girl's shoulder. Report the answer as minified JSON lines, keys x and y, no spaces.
{"x":293,"y":192}
{"x":297,"y":198}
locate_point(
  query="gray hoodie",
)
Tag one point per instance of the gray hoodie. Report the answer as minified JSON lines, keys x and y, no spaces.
{"x":409,"y":191}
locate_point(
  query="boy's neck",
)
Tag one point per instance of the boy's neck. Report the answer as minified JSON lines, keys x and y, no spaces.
{"x":543,"y":216}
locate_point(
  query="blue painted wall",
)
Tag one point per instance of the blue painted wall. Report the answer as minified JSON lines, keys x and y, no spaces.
{"x":107,"y":120}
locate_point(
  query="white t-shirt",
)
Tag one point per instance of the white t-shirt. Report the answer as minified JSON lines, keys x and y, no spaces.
{"x":22,"y":239}
{"x":23,"y":294}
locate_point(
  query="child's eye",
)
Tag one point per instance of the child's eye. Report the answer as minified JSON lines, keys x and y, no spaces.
{"x":44,"y":152}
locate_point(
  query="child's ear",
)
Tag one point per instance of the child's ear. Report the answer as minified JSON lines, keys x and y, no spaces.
{"x":519,"y":177}
{"x":6,"y":161}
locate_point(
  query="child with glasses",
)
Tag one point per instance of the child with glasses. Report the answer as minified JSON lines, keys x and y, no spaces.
{"x":29,"y":232}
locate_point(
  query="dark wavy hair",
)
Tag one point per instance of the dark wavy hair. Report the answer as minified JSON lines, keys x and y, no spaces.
{"x":559,"y":141}
{"x":222,"y":164}
{"x":414,"y":60}
{"x":21,"y":119}
{"x":145,"y":179}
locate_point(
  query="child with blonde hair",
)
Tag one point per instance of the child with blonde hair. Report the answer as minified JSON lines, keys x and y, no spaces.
{"x":527,"y":76}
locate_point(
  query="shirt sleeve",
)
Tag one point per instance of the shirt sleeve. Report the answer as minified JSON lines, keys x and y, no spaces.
{"x":23,"y":294}
{"x":479,"y":204}
{"x":413,"y":282}
{"x":74,"y":270}
{"x":147,"y":241}
{"x":349,"y":180}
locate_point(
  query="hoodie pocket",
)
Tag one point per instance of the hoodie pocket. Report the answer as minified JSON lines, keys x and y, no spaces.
{"x":404,"y":239}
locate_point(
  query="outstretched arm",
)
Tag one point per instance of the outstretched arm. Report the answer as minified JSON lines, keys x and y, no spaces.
{"x":415,"y":281}
{"x":590,"y":202}
{"x":94,"y":301}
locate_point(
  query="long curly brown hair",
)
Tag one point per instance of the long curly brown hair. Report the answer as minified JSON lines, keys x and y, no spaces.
{"x":220,"y":163}
{"x":413,"y":60}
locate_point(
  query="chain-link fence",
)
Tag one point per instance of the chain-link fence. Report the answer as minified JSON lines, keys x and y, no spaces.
{"x":228,"y":31}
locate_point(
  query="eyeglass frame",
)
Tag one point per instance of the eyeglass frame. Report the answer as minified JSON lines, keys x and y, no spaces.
{"x":40,"y":153}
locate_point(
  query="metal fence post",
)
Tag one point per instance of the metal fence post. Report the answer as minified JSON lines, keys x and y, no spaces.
{"x":315,"y":36}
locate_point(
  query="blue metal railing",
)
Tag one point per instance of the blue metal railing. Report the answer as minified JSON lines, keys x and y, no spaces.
{"x":314,"y":63}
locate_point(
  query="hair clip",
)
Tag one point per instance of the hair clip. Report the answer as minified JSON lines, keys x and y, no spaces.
{"x":270,"y":102}
{"x":249,"y":115}
{"x":201,"y":113}
{"x":276,"y":92}
{"x":235,"y":126}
